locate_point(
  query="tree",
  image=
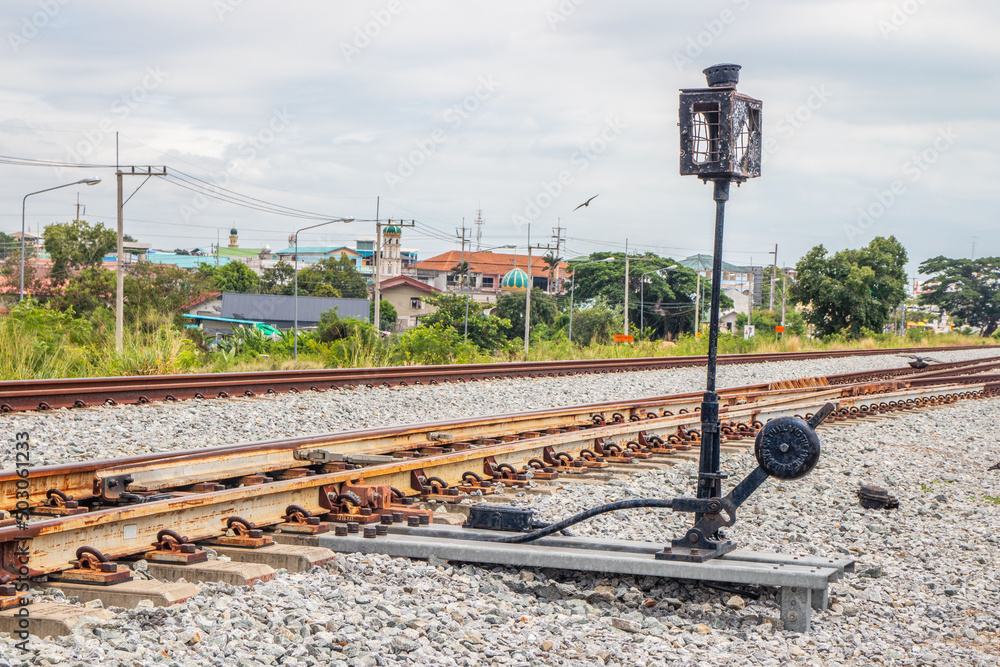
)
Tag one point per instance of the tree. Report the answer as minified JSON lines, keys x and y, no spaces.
{"x":75,"y":245}
{"x":11,"y":270}
{"x":666,"y":296}
{"x":486,"y":331}
{"x":596,"y":325}
{"x":510,"y":306}
{"x":278,"y":280}
{"x":159,"y":288}
{"x":236,"y":277}
{"x":966,"y":289}
{"x":552,"y":261}
{"x":853,"y":290}
{"x":386,"y":313}
{"x":459,"y":273}
{"x":333,"y":276}
{"x":8,"y":245}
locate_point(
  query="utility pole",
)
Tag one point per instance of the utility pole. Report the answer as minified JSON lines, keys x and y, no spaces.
{"x":697,"y":302}
{"x":774,"y":272}
{"x":527,"y":295}
{"x":626,"y":287}
{"x":77,"y":218}
{"x":784,"y":298}
{"x":133,"y":170}
{"x":463,"y":274}
{"x":560,"y":242}
{"x":377,"y":268}
{"x":753,"y":279}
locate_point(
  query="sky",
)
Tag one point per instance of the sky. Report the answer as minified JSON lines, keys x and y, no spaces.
{"x":879,"y":118}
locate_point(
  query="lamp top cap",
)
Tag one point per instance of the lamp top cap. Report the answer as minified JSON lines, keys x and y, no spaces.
{"x":723,"y":74}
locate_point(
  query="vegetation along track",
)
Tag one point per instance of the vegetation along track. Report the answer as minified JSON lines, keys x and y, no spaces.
{"x":19,"y":395}
{"x":120,"y":508}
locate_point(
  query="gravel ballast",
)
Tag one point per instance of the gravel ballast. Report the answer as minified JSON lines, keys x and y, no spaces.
{"x":925,"y":592}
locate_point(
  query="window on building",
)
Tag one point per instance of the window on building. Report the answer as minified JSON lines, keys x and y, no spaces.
{"x":487,"y":282}
{"x":416,"y":303}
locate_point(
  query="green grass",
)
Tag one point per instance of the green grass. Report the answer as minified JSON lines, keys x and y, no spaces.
{"x":36,"y":343}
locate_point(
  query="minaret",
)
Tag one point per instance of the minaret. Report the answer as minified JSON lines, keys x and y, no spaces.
{"x":234,"y":241}
{"x":391,"y":263}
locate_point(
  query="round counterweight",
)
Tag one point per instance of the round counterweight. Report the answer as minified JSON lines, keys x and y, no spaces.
{"x":787,"y":448}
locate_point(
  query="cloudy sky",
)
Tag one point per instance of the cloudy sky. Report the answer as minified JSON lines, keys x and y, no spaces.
{"x":879,"y":118}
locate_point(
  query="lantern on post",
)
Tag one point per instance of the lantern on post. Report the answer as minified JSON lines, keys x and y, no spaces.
{"x":720,"y":129}
{"x":720,"y":142}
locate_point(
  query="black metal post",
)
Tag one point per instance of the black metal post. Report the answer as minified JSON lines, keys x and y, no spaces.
{"x":709,"y":478}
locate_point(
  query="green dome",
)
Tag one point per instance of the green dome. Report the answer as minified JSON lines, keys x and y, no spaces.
{"x":233,"y":231}
{"x":393,"y":230}
{"x":516,"y":279}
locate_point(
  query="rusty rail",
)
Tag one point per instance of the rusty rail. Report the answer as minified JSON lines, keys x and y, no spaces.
{"x":123,"y":531}
{"x":20,"y":395}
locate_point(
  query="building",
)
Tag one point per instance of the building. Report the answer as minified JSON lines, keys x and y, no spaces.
{"x":276,"y":310}
{"x":407,"y":295}
{"x":486,"y":271}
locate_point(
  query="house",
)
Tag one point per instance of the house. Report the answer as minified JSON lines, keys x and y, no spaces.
{"x":313,"y":254}
{"x":407,"y":296}
{"x":486,"y":271}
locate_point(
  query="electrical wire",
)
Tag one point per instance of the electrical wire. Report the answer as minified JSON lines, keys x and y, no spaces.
{"x":577,"y":518}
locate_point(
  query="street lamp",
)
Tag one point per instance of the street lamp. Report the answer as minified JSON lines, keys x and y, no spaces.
{"x":642,"y":302}
{"x":295,"y":343}
{"x":85,"y":181}
{"x":572,"y":290}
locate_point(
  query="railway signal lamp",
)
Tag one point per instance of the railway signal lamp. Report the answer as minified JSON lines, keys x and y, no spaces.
{"x":720,"y":129}
{"x":721,"y":142}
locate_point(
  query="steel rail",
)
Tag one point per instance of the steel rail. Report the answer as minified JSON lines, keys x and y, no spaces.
{"x":153,"y":472}
{"x":50,"y":545}
{"x":20,"y":395}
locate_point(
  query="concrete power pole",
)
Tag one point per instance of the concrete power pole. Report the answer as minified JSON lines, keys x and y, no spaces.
{"x":377,"y":268}
{"x":774,"y":272}
{"x":133,"y":170}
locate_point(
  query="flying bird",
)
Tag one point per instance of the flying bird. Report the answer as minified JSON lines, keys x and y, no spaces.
{"x":586,"y":203}
{"x":918,"y":361}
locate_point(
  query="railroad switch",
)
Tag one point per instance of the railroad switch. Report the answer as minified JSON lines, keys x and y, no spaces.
{"x":245,"y":534}
{"x":58,"y":503}
{"x":172,"y":548}
{"x":93,"y":567}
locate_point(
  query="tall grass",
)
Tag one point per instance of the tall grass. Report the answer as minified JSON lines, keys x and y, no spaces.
{"x":37,"y":342}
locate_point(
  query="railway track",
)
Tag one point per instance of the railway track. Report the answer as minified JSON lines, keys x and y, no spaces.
{"x":20,"y":395}
{"x":121,"y":508}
